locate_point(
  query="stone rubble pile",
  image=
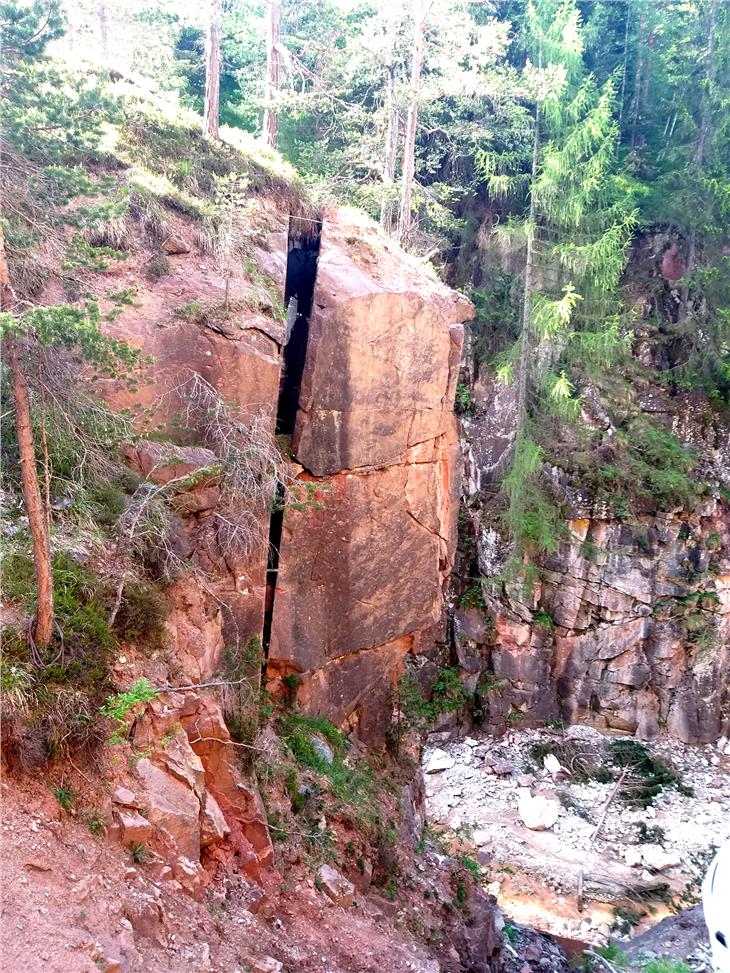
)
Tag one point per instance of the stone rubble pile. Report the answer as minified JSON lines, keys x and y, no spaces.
{"x":527,"y":816}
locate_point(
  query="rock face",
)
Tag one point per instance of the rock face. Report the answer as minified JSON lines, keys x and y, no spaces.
{"x":628,"y":629}
{"x":362,"y":568}
{"x":628,"y":626}
{"x":178,"y":321}
{"x":191,"y":806}
{"x":361,"y":579}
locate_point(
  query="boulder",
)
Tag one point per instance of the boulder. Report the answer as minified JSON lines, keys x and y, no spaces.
{"x":553,"y":766}
{"x":174,"y":245}
{"x":335,"y":885}
{"x":657,"y":859}
{"x":538,"y":813}
{"x":134,"y":828}
{"x":173,"y":806}
{"x":125,"y":797}
{"x":437,"y":761}
{"x":191,"y":876}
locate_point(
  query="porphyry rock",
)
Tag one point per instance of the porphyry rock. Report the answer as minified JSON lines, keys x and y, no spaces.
{"x":135,"y":829}
{"x":173,"y":806}
{"x":175,"y":244}
{"x":213,"y":825}
{"x":125,"y":797}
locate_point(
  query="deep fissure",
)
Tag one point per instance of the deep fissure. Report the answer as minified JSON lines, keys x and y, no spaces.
{"x":301,"y":276}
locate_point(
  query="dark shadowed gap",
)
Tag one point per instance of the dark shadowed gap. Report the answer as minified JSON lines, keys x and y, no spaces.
{"x":301,"y":276}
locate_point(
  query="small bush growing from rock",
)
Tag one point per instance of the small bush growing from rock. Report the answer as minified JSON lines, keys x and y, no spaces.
{"x":118,"y":706}
{"x":66,"y":795}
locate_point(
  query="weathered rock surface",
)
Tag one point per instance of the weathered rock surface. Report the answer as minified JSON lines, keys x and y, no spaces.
{"x":639,"y":639}
{"x":438,"y":760}
{"x":629,"y":624}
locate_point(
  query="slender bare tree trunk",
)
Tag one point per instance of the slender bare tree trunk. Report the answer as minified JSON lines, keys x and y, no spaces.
{"x":525,"y":350}
{"x":43,"y":625}
{"x":638,"y":76}
{"x":211,"y":107}
{"x":409,"y":142}
{"x":103,"y":30}
{"x":700,"y":149}
{"x":623,"y":75}
{"x":273,"y":32}
{"x":387,"y":206}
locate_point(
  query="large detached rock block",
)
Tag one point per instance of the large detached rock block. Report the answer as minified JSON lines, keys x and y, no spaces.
{"x":361,"y":578}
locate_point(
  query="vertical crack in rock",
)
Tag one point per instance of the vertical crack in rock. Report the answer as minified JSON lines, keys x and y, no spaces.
{"x":301,"y":276}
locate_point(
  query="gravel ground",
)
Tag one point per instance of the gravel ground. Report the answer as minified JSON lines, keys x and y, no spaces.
{"x":474,"y":793}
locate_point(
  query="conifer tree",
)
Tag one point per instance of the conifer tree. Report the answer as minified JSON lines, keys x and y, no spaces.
{"x":575,"y":234}
{"x":211,"y":100}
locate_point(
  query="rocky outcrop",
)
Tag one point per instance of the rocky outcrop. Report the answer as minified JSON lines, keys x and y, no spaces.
{"x":628,"y":627}
{"x":628,"y":624}
{"x":365,"y":555}
{"x":190,"y":322}
{"x":191,"y":807}
{"x":362,"y":570}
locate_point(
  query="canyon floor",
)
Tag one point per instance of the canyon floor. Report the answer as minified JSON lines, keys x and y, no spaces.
{"x":637,"y":864}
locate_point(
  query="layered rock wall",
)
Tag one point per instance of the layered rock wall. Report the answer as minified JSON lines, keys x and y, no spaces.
{"x":628,"y":626}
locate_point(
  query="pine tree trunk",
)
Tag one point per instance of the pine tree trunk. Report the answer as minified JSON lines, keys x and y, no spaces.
{"x":623,"y":74}
{"x":387,"y":207}
{"x":638,"y":77}
{"x":700,"y":149}
{"x":271,"y":119}
{"x":43,"y":626}
{"x":409,"y":142}
{"x":525,"y":350}
{"x":103,"y":30}
{"x":211,"y":107}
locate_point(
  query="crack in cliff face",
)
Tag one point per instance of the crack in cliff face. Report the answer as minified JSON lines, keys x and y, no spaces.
{"x":301,"y":277}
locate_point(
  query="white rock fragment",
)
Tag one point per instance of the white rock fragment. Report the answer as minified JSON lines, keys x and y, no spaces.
{"x":632,"y":856}
{"x":656,"y":858}
{"x":437,"y":761}
{"x":538,"y":813}
{"x":551,"y":763}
